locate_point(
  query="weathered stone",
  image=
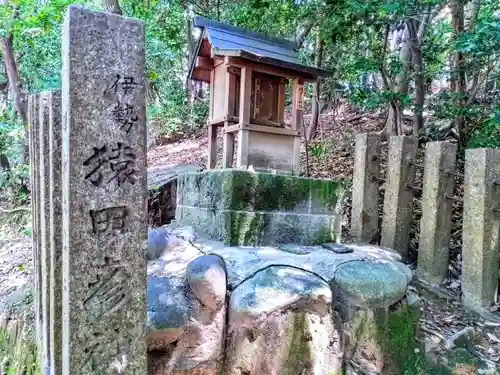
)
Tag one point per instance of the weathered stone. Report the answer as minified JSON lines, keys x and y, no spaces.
{"x":162,"y":186}
{"x":248,"y":208}
{"x":365,"y":188}
{"x":44,"y":227}
{"x":370,"y":285}
{"x":278,"y":288}
{"x":280,"y":311}
{"x":167,"y":311}
{"x":55,"y":241}
{"x":168,"y":304}
{"x":279,"y":323}
{"x":104,"y":194}
{"x":206,"y":276}
{"x":261,"y":228}
{"x":201,"y":346}
{"x":337,"y":248}
{"x":34,"y":114}
{"x":481,"y":242}
{"x":382,"y":341}
{"x":435,"y":224}
{"x":398,"y":198}
{"x":157,"y":243}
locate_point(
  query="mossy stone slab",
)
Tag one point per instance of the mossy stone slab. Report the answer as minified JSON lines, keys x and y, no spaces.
{"x":232,"y":189}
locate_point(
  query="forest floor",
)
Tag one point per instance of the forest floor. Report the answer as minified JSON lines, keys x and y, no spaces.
{"x":448,"y":334}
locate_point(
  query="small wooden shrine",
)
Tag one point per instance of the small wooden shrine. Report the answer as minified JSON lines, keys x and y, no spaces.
{"x":248,"y":75}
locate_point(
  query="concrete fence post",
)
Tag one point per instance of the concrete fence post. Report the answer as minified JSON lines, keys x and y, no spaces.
{"x":398,"y":200}
{"x":481,"y":228}
{"x":435,"y":224}
{"x":365,"y":188}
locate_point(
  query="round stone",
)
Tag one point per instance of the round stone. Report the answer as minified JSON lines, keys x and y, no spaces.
{"x":368,"y":284}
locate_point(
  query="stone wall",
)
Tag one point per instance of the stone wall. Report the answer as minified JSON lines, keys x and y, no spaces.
{"x":242,"y":207}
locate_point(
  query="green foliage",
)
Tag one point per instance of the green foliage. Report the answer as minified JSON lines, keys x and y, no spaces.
{"x":487,"y":134}
{"x":15,"y":175}
{"x":17,"y":350}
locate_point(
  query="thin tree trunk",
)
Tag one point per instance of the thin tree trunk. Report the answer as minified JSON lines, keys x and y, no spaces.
{"x":15,"y":83}
{"x":457,"y":14}
{"x":302,"y":33}
{"x":190,"y":46}
{"x":112,"y":6}
{"x":317,"y":90}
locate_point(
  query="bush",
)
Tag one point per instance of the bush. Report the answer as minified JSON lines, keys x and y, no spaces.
{"x":487,"y":134}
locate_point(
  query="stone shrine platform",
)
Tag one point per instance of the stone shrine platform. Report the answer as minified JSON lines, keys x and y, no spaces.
{"x":291,"y":309}
{"x":239,"y":207}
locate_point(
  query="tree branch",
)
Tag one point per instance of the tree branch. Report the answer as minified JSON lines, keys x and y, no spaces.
{"x":302,"y":33}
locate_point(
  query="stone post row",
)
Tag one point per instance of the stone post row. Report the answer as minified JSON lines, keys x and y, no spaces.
{"x":89,"y":201}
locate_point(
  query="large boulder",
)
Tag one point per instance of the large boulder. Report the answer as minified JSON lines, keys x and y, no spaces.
{"x":284,"y":305}
{"x":280,"y":323}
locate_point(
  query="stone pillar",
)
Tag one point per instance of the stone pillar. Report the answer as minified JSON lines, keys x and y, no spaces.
{"x":34,"y":149}
{"x":481,"y":227}
{"x":104,"y":200}
{"x":435,"y":224}
{"x":44,"y":227}
{"x":365,"y":188}
{"x":398,"y":200}
{"x":55,"y":244}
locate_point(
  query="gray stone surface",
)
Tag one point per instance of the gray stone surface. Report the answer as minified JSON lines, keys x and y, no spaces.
{"x":435,"y":224}
{"x":481,"y":226}
{"x":248,"y":208}
{"x":55,"y":242}
{"x":337,"y":248}
{"x":157,"y":243}
{"x":365,"y":188}
{"x":369,"y":285}
{"x":34,"y":119}
{"x":277,"y":288}
{"x":279,"y":323}
{"x":261,"y":228}
{"x":104,"y":194}
{"x":398,"y":198}
{"x":178,"y":322}
{"x":206,"y":276}
{"x":167,"y":310}
{"x":162,"y":185}
{"x":280,"y":318}
{"x":44,"y":233}
{"x":168,"y":303}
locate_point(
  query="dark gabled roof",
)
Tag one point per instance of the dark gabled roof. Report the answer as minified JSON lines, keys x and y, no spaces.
{"x":228,"y":40}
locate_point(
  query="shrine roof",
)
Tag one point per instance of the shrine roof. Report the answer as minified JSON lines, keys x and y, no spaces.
{"x":228,"y":40}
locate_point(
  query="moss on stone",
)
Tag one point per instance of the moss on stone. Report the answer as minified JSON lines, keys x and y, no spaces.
{"x":273,"y":192}
{"x":299,"y":354}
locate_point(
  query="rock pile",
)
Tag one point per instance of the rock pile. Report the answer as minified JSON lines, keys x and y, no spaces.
{"x":263,"y":310}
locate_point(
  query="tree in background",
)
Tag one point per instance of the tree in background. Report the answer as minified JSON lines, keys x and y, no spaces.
{"x":434,"y":60}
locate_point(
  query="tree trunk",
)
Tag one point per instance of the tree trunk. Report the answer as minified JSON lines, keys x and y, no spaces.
{"x":15,"y":84}
{"x":405,"y":58}
{"x":416,"y":60}
{"x":113,"y":6}
{"x":190,"y":46}
{"x":457,"y":14}
{"x":471,"y":12}
{"x":317,"y":90}
{"x":302,"y":33}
